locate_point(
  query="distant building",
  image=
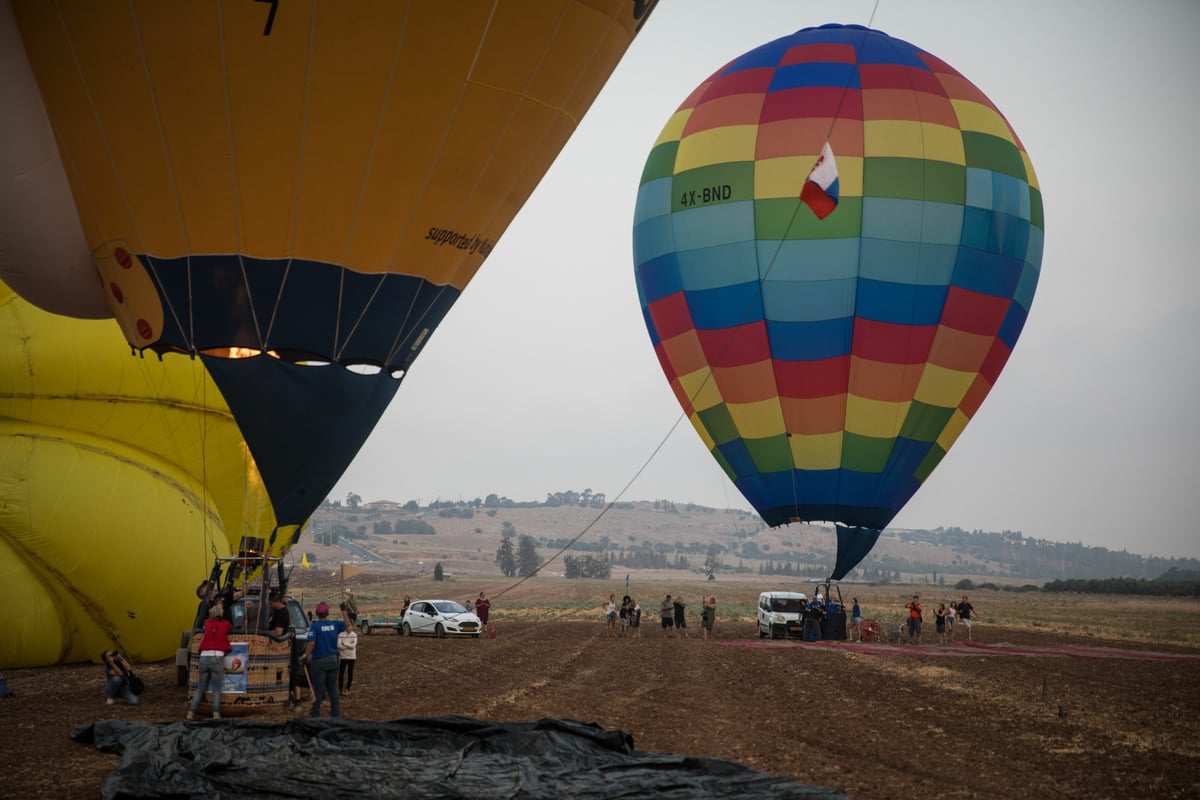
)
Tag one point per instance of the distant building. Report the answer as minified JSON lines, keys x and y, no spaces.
{"x":384,"y":505}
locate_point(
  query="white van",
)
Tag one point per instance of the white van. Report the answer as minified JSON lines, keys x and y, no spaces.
{"x":779,"y":613}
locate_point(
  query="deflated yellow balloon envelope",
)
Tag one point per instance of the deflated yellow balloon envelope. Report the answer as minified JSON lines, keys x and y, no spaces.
{"x":120,"y":479}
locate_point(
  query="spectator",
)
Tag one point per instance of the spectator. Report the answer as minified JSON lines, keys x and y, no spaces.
{"x":623,"y":614}
{"x":116,"y":677}
{"x":939,"y":619}
{"x":950,"y":614}
{"x":610,"y":614}
{"x":666,"y":610}
{"x":351,"y":607}
{"x":635,"y":618}
{"x":914,"y":620}
{"x":965,"y":610}
{"x":213,"y":647}
{"x":680,"y":617}
{"x":347,"y":650}
{"x":483,"y":607}
{"x":708,"y":616}
{"x":855,"y":620}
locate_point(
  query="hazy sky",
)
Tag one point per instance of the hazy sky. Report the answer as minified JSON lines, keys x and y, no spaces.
{"x":542,"y":377}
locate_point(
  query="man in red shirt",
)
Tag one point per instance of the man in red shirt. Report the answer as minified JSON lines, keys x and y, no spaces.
{"x":914,"y":620}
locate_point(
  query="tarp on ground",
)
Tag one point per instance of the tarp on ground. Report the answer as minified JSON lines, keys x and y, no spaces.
{"x":417,"y":757}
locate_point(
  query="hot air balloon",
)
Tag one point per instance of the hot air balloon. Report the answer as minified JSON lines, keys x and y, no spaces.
{"x":837,"y":240}
{"x":291,"y":196}
{"x":296,"y":194}
{"x":118,"y":477}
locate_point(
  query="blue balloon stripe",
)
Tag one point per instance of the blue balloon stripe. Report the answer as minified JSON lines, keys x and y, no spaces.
{"x":658,"y":278}
{"x":900,"y":303}
{"x":987,"y":273}
{"x":726,"y":307}
{"x":810,"y":341}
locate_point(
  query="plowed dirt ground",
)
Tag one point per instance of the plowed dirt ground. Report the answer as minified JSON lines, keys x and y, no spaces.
{"x":1024,"y":717}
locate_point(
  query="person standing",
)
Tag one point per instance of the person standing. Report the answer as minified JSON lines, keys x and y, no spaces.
{"x":965,"y":610}
{"x":351,"y":607}
{"x":280,"y":626}
{"x":483,"y":607}
{"x":708,"y":616}
{"x":321,"y":655}
{"x":213,"y":647}
{"x":855,"y":620}
{"x":666,"y":610}
{"x":610,"y":613}
{"x":939,"y":618}
{"x":635,"y":618}
{"x":116,"y":677}
{"x":680,"y":615}
{"x":814,"y":613}
{"x":950,"y":614}
{"x":914,"y":620}
{"x":347,"y":647}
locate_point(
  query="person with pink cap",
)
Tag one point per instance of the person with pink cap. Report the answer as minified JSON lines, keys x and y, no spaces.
{"x":321,"y":660}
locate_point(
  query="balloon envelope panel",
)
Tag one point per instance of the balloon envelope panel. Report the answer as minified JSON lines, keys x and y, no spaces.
{"x":830,"y":363}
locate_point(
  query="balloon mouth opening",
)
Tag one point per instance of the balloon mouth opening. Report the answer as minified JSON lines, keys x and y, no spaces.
{"x":299,"y":358}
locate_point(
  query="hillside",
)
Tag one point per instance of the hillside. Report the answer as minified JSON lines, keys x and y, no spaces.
{"x":464,"y":539}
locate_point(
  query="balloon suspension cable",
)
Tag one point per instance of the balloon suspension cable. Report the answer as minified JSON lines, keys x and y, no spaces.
{"x":608,"y":506}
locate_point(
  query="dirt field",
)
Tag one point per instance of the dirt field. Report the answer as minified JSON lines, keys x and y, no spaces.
{"x":1067,"y":697}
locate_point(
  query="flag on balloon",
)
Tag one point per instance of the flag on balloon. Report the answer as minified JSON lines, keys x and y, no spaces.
{"x":820,"y":192}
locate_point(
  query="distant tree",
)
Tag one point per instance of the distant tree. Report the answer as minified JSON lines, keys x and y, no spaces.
{"x":711,"y":561}
{"x":382,"y":527}
{"x":527,"y":557}
{"x":965,"y":585}
{"x":507,"y":530}
{"x":492,"y":500}
{"x":412,"y":506}
{"x":438,"y":575}
{"x":506,"y":557}
{"x":353,"y":500}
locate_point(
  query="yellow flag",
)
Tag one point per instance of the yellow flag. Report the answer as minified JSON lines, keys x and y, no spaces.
{"x":349,"y":571}
{"x":304,"y":561}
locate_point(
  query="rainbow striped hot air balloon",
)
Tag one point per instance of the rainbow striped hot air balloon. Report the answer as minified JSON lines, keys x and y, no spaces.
{"x":830,"y":324}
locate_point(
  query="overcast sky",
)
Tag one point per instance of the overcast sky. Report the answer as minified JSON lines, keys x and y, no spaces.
{"x":542,"y":377}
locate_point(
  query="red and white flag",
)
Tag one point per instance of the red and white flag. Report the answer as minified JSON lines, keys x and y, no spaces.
{"x":820,"y":191}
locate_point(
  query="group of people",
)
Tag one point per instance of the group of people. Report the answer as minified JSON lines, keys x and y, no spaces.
{"x":812,"y":616}
{"x":946,"y":618}
{"x":325,"y":665}
{"x":627,"y":617}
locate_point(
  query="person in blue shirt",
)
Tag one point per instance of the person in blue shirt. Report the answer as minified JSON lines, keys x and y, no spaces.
{"x":814,"y":612}
{"x":321,"y":659}
{"x":855,"y":620}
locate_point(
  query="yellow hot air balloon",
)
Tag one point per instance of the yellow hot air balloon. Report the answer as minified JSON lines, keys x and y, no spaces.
{"x":296,"y":193}
{"x":120,"y":479}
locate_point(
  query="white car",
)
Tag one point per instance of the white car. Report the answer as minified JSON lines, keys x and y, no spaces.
{"x":440,"y":618}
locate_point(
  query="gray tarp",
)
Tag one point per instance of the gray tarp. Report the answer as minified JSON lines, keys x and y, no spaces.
{"x":418,"y":757}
